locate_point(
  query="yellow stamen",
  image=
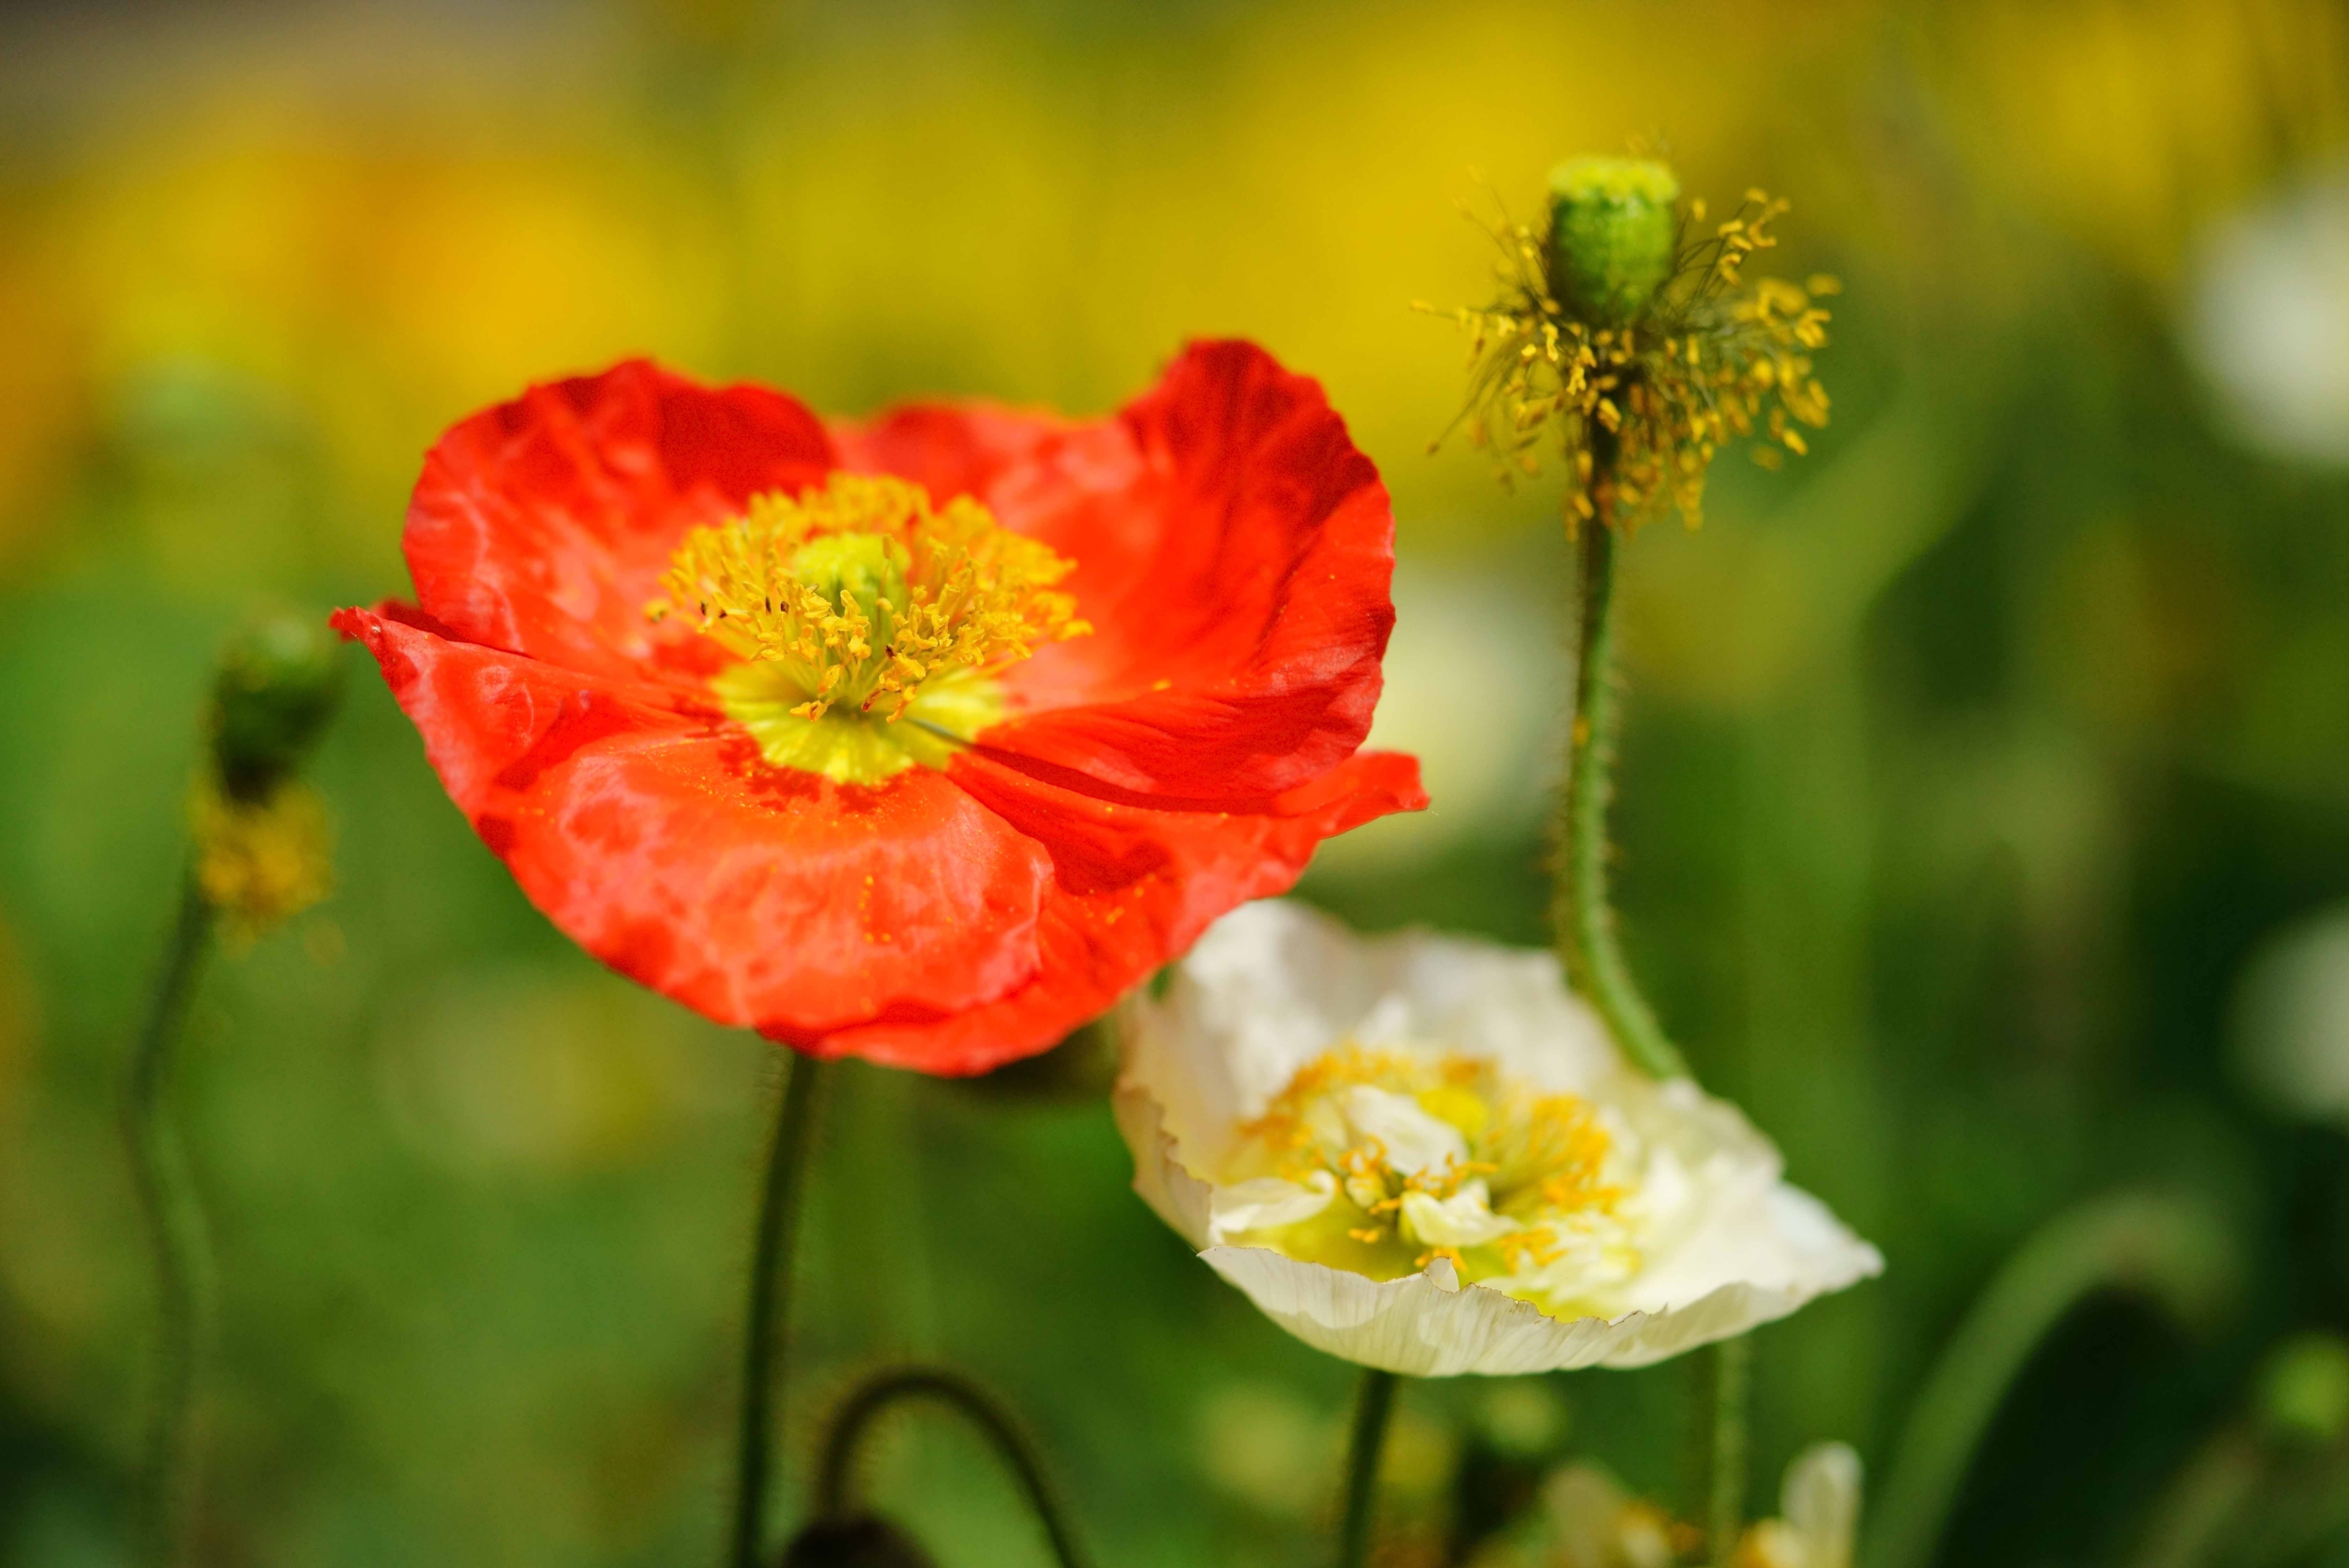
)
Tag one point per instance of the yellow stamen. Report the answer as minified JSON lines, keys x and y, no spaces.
{"x":862,"y":601}
{"x":1544,"y":1165}
{"x":260,"y":863}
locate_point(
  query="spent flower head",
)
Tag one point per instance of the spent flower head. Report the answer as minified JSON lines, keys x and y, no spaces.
{"x":1627,"y":332}
{"x":263,"y":846}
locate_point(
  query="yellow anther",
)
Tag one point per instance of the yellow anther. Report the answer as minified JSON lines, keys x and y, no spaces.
{"x":260,"y":863}
{"x":860,"y":593}
{"x":1542,"y":1163}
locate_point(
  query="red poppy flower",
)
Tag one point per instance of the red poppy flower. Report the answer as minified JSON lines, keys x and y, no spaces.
{"x":919,"y":739}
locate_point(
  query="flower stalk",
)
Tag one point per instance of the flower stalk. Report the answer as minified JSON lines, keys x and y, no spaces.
{"x":258,"y":855}
{"x":175,"y":1232}
{"x":1728,"y":1374}
{"x":1373,"y":1413}
{"x":781,"y":1203}
{"x":1581,"y":910}
{"x":834,"y":1500}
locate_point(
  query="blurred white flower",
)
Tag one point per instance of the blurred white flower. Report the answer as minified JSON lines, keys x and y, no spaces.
{"x":1594,"y":1524}
{"x":1420,"y":1153}
{"x":1589,"y":1521}
{"x":1818,"y":1514}
{"x":2269,"y":321}
{"x":2292,"y":1019}
{"x":1476,"y":681}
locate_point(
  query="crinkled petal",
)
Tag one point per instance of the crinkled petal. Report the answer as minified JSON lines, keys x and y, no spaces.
{"x":1415,"y":1325}
{"x":657,"y":840}
{"x":1233,"y":551}
{"x":1131,"y":885}
{"x":542,"y":526}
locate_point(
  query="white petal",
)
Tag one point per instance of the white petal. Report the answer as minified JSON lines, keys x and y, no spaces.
{"x":1462,"y":1219}
{"x":1411,"y":1326}
{"x":1267,"y":1201}
{"x":1724,"y":1242}
{"x":1181,"y":1199}
{"x":1820,"y":1503}
{"x":1412,"y":1140}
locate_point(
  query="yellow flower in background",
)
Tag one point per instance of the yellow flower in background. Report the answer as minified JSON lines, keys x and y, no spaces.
{"x":1420,"y":1153}
{"x":362,"y":265}
{"x":2129,"y":126}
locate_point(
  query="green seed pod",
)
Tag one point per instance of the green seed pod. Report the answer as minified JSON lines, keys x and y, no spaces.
{"x":279,"y":681}
{"x":1614,"y":234}
{"x":860,"y":1541}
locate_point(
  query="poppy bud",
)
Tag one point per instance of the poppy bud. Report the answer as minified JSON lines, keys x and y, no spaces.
{"x":279,"y":681}
{"x":859,"y":1540}
{"x":1614,"y":235}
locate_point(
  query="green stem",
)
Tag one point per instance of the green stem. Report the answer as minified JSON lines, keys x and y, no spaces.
{"x":2162,"y":1248}
{"x":175,"y":1232}
{"x":1731,"y":1379}
{"x":1579,"y":909}
{"x":771,"y":1266}
{"x":876,"y":1394}
{"x":2202,"y":1507}
{"x":1373,"y":1410}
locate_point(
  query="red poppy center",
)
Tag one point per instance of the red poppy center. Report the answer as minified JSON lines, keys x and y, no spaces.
{"x":868,"y":624}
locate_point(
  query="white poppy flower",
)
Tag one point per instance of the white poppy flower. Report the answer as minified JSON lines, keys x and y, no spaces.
{"x":1420,"y":1153}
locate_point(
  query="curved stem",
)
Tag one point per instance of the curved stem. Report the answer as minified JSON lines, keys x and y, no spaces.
{"x":1579,"y":909}
{"x":1373,"y":1408}
{"x":1730,"y":1377}
{"x":175,"y":1232}
{"x":876,"y":1394}
{"x":2162,"y":1248}
{"x":771,"y":1266}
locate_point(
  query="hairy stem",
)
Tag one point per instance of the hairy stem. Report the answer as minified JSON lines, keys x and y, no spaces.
{"x":865,"y":1403}
{"x":1728,"y":1378}
{"x":175,"y":1232}
{"x":1580,"y":908}
{"x":771,"y":1266}
{"x":1373,"y":1410}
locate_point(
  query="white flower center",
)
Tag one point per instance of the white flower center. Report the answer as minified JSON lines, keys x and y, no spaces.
{"x":1379,"y":1162}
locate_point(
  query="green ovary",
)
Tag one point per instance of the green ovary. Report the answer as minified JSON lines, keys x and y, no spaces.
{"x":849,"y":747}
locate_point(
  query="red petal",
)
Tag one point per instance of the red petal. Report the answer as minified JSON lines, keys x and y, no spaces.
{"x":1233,"y":552}
{"x":542,"y":526}
{"x":1132,"y":888}
{"x":658,"y":840}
